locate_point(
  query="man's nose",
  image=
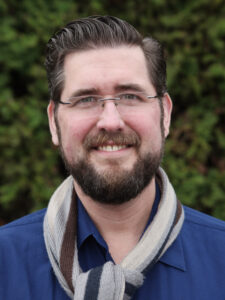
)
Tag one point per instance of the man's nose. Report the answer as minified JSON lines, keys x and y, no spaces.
{"x":110,"y":118}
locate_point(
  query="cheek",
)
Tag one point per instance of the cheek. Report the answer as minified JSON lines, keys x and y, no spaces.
{"x":147,"y":126}
{"x":73,"y":131}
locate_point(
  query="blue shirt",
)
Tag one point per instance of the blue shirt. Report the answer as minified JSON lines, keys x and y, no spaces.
{"x":192,"y":268}
{"x":92,"y":249}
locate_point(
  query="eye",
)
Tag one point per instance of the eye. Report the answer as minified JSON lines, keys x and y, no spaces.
{"x":130,"y":98}
{"x":87,"y":99}
{"x":84,"y":101}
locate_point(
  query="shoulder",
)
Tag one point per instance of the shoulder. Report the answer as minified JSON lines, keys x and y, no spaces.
{"x":28,"y":219}
{"x":203,"y":235}
{"x":25,"y":270}
{"x":202,"y":220}
{"x":25,"y":222}
{"x":21,"y":241}
{"x":26,"y":230}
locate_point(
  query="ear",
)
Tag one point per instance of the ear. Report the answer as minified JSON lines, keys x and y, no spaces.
{"x":167,"y":105}
{"x":52,"y":123}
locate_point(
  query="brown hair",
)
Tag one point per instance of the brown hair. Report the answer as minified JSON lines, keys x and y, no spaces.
{"x":100,"y":31}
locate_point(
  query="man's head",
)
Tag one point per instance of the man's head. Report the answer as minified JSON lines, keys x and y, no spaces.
{"x":97,"y":32}
{"x":112,"y":152}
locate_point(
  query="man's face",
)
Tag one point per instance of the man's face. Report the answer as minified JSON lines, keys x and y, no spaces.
{"x":111,"y":155}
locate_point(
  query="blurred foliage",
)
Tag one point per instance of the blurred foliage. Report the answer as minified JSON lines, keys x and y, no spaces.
{"x":193,"y":33}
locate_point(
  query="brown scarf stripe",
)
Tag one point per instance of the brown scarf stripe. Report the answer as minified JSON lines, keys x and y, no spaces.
{"x":179,"y":211}
{"x":68,"y":244}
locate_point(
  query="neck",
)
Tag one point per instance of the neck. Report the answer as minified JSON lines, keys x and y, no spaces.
{"x":121,"y":226}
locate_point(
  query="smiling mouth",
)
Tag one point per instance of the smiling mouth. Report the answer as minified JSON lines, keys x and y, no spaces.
{"x":111,"y":148}
{"x":111,"y":142}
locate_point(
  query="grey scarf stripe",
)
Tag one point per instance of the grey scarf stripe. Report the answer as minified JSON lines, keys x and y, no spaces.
{"x":163,"y":247}
{"x":110,"y":281}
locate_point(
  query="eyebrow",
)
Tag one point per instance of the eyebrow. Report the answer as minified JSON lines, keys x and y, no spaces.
{"x":129,"y":86}
{"x":83,"y":92}
{"x":118,"y":88}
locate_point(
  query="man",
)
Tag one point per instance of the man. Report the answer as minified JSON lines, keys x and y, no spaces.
{"x":114,"y":229}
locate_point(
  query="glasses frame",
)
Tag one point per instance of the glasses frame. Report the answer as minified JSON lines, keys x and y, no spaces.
{"x":115,"y":98}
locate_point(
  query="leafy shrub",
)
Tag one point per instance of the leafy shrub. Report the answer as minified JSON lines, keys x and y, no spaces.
{"x":193,"y":33}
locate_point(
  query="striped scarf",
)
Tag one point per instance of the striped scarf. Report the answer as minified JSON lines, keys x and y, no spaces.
{"x":109,"y":281}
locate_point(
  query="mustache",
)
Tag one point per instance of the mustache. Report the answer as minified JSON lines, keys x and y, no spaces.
{"x":117,"y":138}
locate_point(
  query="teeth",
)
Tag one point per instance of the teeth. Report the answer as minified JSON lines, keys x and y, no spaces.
{"x":112,"y":148}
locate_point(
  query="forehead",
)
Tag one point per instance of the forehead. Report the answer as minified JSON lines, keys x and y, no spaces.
{"x":105,"y":68}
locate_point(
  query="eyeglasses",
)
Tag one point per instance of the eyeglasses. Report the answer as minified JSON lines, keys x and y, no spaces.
{"x":125,"y":101}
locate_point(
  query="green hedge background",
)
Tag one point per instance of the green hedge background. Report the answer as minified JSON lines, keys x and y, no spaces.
{"x":193,"y":33}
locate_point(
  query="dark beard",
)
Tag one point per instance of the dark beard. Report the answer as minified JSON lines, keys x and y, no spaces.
{"x":120,"y":186}
{"x":113,"y":188}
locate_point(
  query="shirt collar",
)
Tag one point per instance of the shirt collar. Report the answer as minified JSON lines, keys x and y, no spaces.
{"x":174,"y":255}
{"x":86,"y":227}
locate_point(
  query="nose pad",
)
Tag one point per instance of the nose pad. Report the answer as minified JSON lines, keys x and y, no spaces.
{"x":110,"y":118}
